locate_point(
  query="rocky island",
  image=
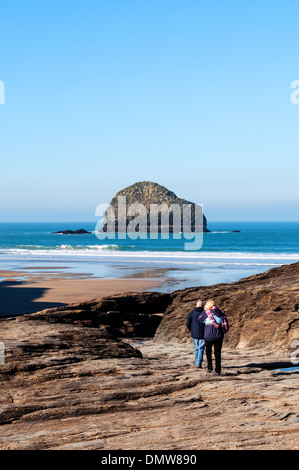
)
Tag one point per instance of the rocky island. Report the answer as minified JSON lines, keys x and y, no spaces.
{"x":118,"y":372}
{"x":148,"y":193}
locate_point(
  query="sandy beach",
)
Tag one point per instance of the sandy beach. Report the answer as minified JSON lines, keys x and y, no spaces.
{"x":30,"y":291}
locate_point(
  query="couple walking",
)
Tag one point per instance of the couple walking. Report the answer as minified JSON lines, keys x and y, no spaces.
{"x":207,"y":325}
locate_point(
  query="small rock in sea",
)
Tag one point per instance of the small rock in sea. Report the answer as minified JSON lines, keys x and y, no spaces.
{"x":81,"y":231}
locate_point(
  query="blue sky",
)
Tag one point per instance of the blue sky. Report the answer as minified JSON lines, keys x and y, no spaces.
{"x":194,"y":95}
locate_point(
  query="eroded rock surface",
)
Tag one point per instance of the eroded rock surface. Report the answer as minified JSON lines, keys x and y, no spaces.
{"x":159,"y":401}
{"x":81,"y":376}
{"x":263,"y":310}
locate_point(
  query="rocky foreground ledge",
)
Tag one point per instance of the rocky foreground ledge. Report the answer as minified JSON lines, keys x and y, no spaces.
{"x":118,"y":372}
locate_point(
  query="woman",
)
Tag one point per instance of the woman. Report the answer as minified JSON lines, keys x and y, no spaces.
{"x":216,"y":326}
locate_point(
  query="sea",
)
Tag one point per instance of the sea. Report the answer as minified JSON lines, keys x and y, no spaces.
{"x":231,"y":251}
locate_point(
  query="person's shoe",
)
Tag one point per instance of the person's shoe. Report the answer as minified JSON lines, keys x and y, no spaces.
{"x":199,"y":366}
{"x":209,"y":370}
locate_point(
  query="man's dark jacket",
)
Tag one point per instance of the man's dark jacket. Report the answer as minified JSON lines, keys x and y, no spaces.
{"x":197,"y":329}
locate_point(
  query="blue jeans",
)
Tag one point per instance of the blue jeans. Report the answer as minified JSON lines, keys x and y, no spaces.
{"x":199,"y":345}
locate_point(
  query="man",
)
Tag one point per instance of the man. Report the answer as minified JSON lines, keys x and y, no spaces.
{"x":197,"y":332}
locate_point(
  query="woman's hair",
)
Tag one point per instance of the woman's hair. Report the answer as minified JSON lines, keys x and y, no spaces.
{"x":209,"y":304}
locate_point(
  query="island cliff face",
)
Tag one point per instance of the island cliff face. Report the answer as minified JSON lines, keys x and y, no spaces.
{"x":149,"y":193}
{"x":118,"y":372}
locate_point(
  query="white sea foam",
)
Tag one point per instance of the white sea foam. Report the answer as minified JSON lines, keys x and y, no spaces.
{"x":117,"y":253}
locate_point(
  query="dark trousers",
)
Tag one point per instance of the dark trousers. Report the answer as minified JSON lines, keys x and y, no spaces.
{"x":217,"y":353}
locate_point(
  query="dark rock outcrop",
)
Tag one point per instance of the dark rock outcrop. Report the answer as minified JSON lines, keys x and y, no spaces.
{"x":119,"y":316}
{"x":81,"y":231}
